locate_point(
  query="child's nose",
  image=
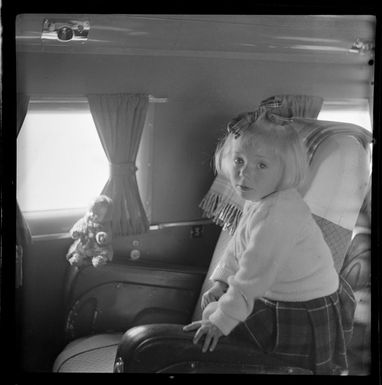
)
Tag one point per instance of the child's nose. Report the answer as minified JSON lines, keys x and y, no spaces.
{"x":243,"y":171}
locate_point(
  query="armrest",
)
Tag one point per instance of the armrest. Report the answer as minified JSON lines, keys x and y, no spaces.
{"x":166,"y":348}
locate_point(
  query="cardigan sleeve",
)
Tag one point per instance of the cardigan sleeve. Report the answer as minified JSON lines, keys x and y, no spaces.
{"x":227,"y":266}
{"x":271,"y":239}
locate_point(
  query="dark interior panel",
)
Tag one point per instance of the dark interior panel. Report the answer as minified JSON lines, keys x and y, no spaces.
{"x":118,"y":297}
{"x":171,"y":268}
{"x":178,"y":245}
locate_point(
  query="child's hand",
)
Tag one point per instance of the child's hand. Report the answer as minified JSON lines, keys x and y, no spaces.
{"x":205,"y":327}
{"x":213,"y":294}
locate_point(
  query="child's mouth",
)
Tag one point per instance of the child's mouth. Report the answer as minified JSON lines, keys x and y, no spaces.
{"x":243,"y":188}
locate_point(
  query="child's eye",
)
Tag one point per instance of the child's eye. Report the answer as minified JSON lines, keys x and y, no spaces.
{"x":238,"y":161}
{"x":261,"y":165}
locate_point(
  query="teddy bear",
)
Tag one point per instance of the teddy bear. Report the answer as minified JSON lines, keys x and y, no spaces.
{"x":92,"y":235}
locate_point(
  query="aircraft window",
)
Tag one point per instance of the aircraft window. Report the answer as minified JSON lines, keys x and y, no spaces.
{"x":61,"y":164}
{"x":355,"y":111}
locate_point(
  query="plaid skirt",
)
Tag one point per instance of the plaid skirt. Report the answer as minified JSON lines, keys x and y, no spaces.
{"x":312,"y":334}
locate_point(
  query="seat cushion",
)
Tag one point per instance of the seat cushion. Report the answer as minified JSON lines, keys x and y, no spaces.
{"x":94,"y":354}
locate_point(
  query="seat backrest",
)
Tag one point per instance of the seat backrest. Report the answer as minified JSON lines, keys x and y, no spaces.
{"x":335,"y":189}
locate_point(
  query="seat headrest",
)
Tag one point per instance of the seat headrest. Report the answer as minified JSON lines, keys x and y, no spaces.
{"x":338,"y":180}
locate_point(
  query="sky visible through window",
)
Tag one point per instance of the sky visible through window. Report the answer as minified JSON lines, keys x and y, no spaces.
{"x":348,"y":114}
{"x":60,"y":161}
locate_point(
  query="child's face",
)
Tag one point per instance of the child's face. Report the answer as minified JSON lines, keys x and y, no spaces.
{"x":255,"y":169}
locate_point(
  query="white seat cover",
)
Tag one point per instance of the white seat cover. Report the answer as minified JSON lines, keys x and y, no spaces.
{"x":94,"y":354}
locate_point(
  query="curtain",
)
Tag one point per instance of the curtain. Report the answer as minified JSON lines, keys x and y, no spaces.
{"x":119,"y":119}
{"x":23,"y":234}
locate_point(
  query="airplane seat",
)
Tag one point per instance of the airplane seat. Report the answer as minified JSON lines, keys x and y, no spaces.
{"x":335,"y":192}
{"x":339,"y":168}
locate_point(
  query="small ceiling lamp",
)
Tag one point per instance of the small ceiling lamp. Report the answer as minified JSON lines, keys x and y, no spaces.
{"x":362,"y":47}
{"x":65,"y":30}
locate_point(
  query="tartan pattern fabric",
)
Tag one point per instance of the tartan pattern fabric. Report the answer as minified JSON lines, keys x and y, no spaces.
{"x":312,"y":334}
{"x":236,"y":125}
{"x":338,"y":239}
{"x":288,"y":106}
{"x":272,"y":102}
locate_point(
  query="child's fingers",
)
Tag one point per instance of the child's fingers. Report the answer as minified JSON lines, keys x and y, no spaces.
{"x":206,"y":299}
{"x":192,"y":326}
{"x":205,"y":302}
{"x":207,"y":342}
{"x":214,"y":343}
{"x":199,"y":333}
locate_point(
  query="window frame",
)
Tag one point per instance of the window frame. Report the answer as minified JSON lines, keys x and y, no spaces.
{"x":56,"y":223}
{"x":347,"y":105}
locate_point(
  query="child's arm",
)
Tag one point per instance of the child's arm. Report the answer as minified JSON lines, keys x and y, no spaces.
{"x":227,"y":265}
{"x":214,"y":293}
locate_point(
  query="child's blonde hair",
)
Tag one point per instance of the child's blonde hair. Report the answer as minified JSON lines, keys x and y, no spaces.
{"x":274,"y":131}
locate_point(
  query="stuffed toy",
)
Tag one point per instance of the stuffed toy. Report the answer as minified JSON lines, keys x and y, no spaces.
{"x":92,"y":236}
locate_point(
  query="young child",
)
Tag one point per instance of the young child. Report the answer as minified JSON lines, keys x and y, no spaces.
{"x":275,"y":284}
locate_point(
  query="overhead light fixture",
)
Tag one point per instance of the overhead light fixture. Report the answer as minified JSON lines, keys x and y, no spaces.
{"x":65,"y":30}
{"x":363,"y":47}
